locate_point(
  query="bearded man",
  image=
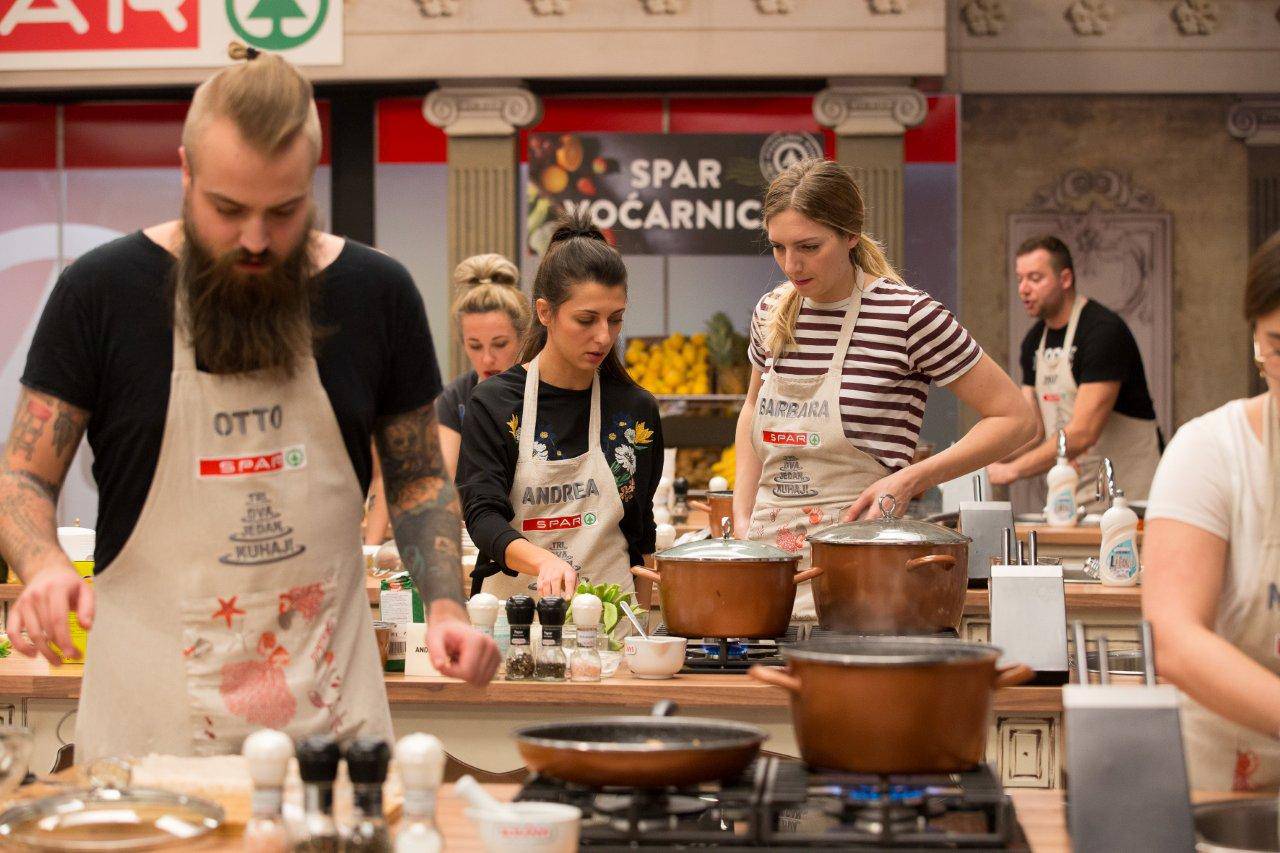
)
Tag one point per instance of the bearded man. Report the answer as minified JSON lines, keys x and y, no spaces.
{"x":232,"y":369}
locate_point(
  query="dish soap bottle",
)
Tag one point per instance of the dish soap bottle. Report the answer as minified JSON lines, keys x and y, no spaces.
{"x":420,"y":758}
{"x":1060,"y":509}
{"x":367,"y":759}
{"x":267,"y":752}
{"x":1118,"y":562}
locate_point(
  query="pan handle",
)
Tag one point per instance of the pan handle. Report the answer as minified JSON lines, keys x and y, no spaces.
{"x":647,"y":574}
{"x":775,"y":677}
{"x":1013,"y":675}
{"x":944,"y":561}
{"x":663,"y":708}
{"x":807,"y":574}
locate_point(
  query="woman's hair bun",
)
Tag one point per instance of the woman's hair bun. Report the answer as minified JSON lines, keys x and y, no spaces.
{"x":490,"y":268}
{"x":571,"y":225}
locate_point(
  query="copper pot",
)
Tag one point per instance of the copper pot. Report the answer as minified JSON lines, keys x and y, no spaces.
{"x":890,"y":576}
{"x":718,"y":506}
{"x":892,"y":704}
{"x":726,"y":588}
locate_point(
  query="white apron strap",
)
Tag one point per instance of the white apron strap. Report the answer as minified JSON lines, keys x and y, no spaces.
{"x":529,"y":413}
{"x":1076,"y":310}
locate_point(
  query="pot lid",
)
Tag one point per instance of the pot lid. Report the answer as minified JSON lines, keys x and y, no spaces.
{"x":725,"y":550}
{"x":889,"y":531}
{"x":891,"y":651}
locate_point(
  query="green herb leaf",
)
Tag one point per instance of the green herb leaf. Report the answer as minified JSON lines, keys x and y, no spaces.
{"x":609,"y":614}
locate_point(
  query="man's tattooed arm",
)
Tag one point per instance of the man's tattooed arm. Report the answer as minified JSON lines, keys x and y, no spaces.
{"x":46,"y":432}
{"x":424,"y":506}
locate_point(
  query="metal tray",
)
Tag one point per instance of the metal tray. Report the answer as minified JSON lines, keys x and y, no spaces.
{"x":108,"y":819}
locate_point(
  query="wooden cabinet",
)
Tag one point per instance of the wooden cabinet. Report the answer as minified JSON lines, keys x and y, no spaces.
{"x":1026,"y":751}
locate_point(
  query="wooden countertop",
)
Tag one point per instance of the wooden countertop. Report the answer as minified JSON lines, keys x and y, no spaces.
{"x":1085,"y":535}
{"x":1080,"y":596}
{"x":22,"y":676}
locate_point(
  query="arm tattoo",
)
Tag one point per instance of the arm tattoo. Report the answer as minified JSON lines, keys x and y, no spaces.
{"x":66,"y":433}
{"x":424,"y":506}
{"x":28,"y":426}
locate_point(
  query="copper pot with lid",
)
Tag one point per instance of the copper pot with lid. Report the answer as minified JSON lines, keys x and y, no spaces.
{"x":718,"y":506}
{"x":890,"y":575}
{"x":726,"y":587}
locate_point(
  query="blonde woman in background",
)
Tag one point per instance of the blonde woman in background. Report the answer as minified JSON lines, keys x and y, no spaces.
{"x":492,"y":316}
{"x":843,"y":353}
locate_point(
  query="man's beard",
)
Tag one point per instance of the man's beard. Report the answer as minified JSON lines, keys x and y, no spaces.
{"x":241,"y":322}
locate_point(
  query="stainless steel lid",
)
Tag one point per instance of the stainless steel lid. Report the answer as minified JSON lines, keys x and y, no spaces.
{"x":889,"y":531}
{"x":725,"y":550}
{"x":891,"y":651}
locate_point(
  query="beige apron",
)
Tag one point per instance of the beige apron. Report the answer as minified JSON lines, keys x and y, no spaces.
{"x":570,"y":507}
{"x":238,"y":601}
{"x":1131,"y":444}
{"x":1221,"y":755}
{"x":811,"y":473}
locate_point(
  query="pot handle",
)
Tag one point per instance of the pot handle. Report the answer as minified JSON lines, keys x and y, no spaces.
{"x":944,"y":561}
{"x":807,"y":574}
{"x":663,"y":708}
{"x":700,"y":506}
{"x":775,"y":677}
{"x":647,"y":574}
{"x":1013,"y":675}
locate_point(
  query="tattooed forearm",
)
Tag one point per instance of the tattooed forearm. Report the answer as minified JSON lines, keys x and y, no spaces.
{"x":424,"y":506}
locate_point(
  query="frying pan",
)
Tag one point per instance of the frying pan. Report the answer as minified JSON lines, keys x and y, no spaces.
{"x":658,"y":751}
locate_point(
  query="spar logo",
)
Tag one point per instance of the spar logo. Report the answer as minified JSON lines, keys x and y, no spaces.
{"x":287,"y":459}
{"x":557,"y":522}
{"x":791,"y":439}
{"x":276,"y":24}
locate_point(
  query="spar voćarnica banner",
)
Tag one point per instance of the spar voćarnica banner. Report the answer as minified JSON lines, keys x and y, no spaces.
{"x":660,"y":194}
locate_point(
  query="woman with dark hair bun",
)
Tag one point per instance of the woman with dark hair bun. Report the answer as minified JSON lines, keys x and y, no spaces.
{"x":562,"y":453}
{"x":1211,"y":574}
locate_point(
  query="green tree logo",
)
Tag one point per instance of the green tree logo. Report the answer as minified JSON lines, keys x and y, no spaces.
{"x":277,"y":11}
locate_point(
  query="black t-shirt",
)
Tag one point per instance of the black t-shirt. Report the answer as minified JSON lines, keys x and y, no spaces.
{"x":1105,"y":351}
{"x":105,"y":343}
{"x":630,"y":438}
{"x":451,"y":405}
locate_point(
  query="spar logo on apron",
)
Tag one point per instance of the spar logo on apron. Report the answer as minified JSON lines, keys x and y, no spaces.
{"x":791,"y":439}
{"x":286,"y":459}
{"x":558,"y":522}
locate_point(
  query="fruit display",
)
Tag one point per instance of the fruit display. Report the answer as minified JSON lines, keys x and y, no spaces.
{"x":727,"y":351}
{"x":676,"y":365}
{"x":699,"y":464}
{"x":726,"y":465}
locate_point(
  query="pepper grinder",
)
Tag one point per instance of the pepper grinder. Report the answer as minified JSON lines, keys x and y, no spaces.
{"x":482,"y":610}
{"x":267,"y":753}
{"x":420,"y":758}
{"x":584,"y":660}
{"x":551,"y":663}
{"x":680,"y":501}
{"x":519,"y":654}
{"x":367,"y":760}
{"x":318,"y":758}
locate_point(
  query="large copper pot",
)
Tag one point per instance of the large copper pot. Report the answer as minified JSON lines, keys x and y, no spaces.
{"x":892,"y":704}
{"x":890,"y":576}
{"x":718,"y":506}
{"x":726,"y":588}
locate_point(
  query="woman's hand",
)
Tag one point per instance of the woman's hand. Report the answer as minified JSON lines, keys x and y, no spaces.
{"x":900,"y":485}
{"x":556,"y":577}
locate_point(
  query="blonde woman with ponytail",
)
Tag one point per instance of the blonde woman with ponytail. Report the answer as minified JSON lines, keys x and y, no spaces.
{"x":843,"y":353}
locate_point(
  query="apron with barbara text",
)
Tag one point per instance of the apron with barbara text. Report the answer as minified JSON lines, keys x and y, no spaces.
{"x":570,"y":507}
{"x":1222,"y":755}
{"x":811,"y":473}
{"x":1132,"y":444}
{"x":238,"y":601}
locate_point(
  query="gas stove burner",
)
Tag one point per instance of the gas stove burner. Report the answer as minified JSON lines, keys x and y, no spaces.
{"x":876,"y":795}
{"x":648,"y":811}
{"x":734,"y":650}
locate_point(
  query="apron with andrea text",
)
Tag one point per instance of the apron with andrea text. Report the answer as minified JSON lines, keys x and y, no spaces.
{"x":238,"y":601}
{"x":570,"y":507}
{"x":1222,"y":755}
{"x":1132,"y":444}
{"x":811,"y":473}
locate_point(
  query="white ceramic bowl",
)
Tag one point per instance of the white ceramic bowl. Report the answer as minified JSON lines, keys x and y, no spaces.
{"x":530,"y":827}
{"x":654,"y":657}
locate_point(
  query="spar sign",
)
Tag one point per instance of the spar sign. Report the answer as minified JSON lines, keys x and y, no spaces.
{"x":93,"y":34}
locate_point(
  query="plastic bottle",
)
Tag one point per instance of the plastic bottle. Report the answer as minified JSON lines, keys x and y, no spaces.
{"x":420,"y":758}
{"x":1119,"y":560}
{"x":1060,"y":509}
{"x":267,"y":752}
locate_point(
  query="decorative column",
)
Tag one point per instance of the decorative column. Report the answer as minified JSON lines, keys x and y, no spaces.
{"x":869,"y":122}
{"x":480,"y":121}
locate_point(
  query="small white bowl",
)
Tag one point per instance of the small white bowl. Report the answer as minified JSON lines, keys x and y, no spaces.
{"x":654,"y":657}
{"x":530,"y":827}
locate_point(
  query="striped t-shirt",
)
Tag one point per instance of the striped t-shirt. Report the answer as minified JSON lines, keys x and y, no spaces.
{"x":904,"y":340}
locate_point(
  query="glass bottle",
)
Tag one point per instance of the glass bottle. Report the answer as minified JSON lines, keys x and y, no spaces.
{"x":482,"y":610}
{"x":367,"y":759}
{"x":267,"y":752}
{"x":584,"y":659}
{"x":550,"y":662}
{"x":318,"y":766}
{"x":519,"y":652}
{"x":420,"y":758}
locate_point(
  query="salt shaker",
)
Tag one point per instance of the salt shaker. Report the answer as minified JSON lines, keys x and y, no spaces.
{"x":420,"y":758}
{"x":664,"y":537}
{"x":584,"y":660}
{"x":267,"y":753}
{"x":482,"y":609}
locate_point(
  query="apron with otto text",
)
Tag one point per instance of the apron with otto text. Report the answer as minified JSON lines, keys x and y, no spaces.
{"x":1221,"y":755}
{"x":570,"y":507}
{"x":238,"y":601}
{"x":811,"y":473}
{"x":1132,"y":444}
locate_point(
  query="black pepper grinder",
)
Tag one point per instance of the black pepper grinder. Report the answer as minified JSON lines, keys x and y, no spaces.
{"x":519,"y":652}
{"x":318,"y":758}
{"x":551,"y":663}
{"x":680,"y":501}
{"x":367,"y":759}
